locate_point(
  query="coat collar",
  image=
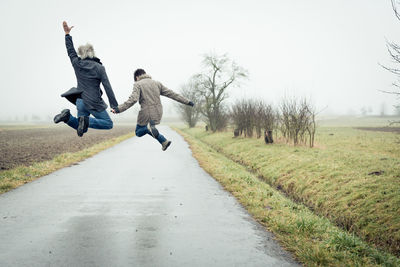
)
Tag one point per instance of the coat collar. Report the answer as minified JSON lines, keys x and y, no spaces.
{"x":143,"y":76}
{"x":95,"y":59}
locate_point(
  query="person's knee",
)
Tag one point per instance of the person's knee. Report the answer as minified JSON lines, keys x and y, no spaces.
{"x":138,"y":133}
{"x":110,"y":125}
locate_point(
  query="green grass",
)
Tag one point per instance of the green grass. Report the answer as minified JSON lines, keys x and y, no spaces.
{"x":333,"y":178}
{"x":313,"y":239}
{"x":18,"y":176}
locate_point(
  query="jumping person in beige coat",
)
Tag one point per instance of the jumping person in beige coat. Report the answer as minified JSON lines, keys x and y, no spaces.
{"x":147,"y":92}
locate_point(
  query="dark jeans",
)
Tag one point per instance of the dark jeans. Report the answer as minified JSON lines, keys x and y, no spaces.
{"x":142,"y":130}
{"x":101,"y":119}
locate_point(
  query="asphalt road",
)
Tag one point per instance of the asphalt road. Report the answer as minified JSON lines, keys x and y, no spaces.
{"x":132,"y":205}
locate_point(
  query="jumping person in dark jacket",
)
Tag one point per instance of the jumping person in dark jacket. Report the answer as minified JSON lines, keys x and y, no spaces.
{"x":89,"y":73}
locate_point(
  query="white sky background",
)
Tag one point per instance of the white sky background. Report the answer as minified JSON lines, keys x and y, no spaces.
{"x":326,"y":50}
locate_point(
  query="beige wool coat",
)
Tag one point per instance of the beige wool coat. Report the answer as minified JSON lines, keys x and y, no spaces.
{"x":147,"y":92}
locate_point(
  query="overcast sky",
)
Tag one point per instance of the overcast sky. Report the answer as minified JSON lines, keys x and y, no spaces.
{"x":326,"y":50}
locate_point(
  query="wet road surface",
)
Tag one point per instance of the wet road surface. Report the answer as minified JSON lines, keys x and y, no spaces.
{"x":132,"y":205}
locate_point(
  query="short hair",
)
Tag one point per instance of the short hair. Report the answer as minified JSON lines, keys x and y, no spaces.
{"x":86,"y":51}
{"x":137,"y":73}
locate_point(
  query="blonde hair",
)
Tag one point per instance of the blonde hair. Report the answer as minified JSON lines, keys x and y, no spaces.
{"x":85,"y":51}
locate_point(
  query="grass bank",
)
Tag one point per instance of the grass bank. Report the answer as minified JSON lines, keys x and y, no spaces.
{"x":303,"y":173}
{"x":15,"y":177}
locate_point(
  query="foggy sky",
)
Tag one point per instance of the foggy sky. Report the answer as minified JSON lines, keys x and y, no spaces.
{"x":326,"y":50}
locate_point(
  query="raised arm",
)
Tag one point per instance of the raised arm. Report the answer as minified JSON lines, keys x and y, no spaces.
{"x":69,"y":44}
{"x":133,"y":98}
{"x":164,"y":91}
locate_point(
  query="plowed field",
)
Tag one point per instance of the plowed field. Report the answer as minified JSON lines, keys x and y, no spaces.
{"x":25,"y":146}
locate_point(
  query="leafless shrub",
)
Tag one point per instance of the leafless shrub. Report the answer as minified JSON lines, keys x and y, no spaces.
{"x":242,"y":115}
{"x":259,"y":108}
{"x":249,"y":116}
{"x":297,"y":121}
{"x":269,"y":121}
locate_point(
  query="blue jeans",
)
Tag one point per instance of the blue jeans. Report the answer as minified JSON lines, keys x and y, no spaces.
{"x":101,"y":119}
{"x":142,"y":130}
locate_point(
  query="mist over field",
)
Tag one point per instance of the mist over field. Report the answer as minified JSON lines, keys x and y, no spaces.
{"x":323,"y":50}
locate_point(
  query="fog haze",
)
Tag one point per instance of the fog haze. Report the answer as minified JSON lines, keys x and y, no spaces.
{"x":325,"y":50}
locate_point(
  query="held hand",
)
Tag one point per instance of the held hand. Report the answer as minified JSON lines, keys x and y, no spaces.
{"x":66,"y":28}
{"x":115,"y":110}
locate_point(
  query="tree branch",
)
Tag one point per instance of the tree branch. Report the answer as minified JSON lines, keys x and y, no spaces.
{"x":395,"y":9}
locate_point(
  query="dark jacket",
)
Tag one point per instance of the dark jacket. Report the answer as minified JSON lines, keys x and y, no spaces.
{"x":89,"y":73}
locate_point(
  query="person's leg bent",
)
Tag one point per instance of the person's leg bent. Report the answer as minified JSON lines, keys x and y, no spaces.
{"x":81,"y":111}
{"x":80,"y":106}
{"x":101,"y":120}
{"x":73,"y":122}
{"x":141,"y":130}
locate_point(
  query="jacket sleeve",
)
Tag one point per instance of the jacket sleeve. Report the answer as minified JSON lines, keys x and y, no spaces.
{"x":164,"y":91}
{"x":108,"y":88}
{"x":133,"y":98}
{"x":71,"y":50}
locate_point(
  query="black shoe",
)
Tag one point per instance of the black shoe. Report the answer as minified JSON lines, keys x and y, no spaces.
{"x":152,"y":129}
{"x":165,"y":145}
{"x":83,"y":125}
{"x":63,"y":116}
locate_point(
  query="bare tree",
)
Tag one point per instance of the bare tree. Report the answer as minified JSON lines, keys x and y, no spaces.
{"x":190,"y":115}
{"x":220,"y":73}
{"x":394,"y":52}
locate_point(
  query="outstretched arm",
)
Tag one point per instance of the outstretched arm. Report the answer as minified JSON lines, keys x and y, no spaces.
{"x":108,"y":89}
{"x":69,"y":44}
{"x":133,"y":98}
{"x":171,"y":94}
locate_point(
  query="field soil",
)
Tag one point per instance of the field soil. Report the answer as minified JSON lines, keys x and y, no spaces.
{"x":26,"y":146}
{"x":381,"y":129}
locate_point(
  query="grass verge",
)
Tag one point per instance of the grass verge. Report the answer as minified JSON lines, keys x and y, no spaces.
{"x":313,"y":239}
{"x":352,"y":177}
{"x":13,"y":178}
